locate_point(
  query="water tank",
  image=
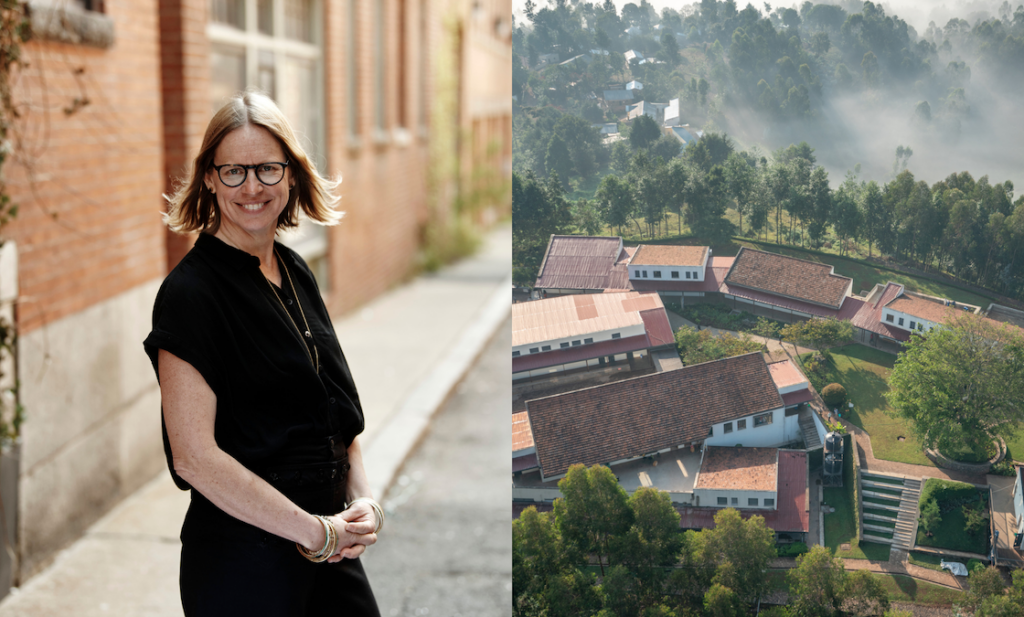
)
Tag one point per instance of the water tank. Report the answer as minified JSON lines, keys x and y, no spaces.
{"x":834,"y":444}
{"x":833,"y":465}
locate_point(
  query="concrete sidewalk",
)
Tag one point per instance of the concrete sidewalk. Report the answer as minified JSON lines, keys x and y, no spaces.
{"x":407,"y":349}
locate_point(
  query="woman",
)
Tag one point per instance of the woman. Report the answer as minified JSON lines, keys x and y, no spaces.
{"x":259,"y":409}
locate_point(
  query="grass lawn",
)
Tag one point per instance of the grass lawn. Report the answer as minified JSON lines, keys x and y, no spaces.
{"x":899,"y":587}
{"x":880,"y":512}
{"x":926,"y":560}
{"x":951,"y":534}
{"x":1015,"y":446}
{"x":884,"y":502}
{"x":864,"y":372}
{"x":908,"y":589}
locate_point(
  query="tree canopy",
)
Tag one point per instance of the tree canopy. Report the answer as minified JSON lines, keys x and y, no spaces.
{"x":961,"y":382}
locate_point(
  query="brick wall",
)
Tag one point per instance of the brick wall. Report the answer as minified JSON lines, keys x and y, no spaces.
{"x":88,"y":182}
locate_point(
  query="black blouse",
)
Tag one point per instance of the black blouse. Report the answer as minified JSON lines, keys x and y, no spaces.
{"x":218,"y":312}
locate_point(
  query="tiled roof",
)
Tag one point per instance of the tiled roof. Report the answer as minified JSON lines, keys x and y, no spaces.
{"x":638,"y":416}
{"x":869,"y":314}
{"x":713,"y":277}
{"x":848,"y":310}
{"x":583,"y":262}
{"x":664,"y":255}
{"x":738,"y":469}
{"x":790,"y":514}
{"x":785,"y":374}
{"x":918,"y":306}
{"x":787,"y":276}
{"x":578,"y":315}
{"x":659,"y":330}
{"x":522,"y":438}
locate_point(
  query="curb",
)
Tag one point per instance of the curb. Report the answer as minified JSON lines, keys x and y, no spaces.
{"x":387,"y":453}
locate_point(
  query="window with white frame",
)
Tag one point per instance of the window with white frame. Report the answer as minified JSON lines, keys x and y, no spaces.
{"x":769,"y":502}
{"x":763,"y":419}
{"x":276,"y":46}
{"x":728,"y":427}
{"x":675,"y":274}
{"x":900,"y":322}
{"x":657,"y":274}
{"x":913,"y":325}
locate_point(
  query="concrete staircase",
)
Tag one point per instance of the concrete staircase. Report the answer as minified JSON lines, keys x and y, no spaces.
{"x":900,"y":518}
{"x":810,"y":434}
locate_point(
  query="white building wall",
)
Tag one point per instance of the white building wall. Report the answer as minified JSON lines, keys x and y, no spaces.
{"x":766,"y":436}
{"x":709,"y":498}
{"x":925,"y":324}
{"x":696,"y":273}
{"x":601,"y":335}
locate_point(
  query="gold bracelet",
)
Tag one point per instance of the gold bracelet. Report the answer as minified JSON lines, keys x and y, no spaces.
{"x":378,"y":512}
{"x":330,"y":543}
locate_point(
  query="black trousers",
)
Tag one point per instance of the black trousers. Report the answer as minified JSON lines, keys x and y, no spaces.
{"x":232,"y":568}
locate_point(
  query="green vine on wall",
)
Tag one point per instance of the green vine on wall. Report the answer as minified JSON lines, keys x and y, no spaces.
{"x":14,"y":30}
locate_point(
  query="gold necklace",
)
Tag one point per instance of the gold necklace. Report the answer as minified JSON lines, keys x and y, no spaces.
{"x":309,"y":335}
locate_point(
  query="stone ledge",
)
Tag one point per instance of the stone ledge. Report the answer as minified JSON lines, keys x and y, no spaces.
{"x":945,"y":462}
{"x":73,"y":26}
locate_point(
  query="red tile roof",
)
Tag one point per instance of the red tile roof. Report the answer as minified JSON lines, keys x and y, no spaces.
{"x":583,"y":262}
{"x":638,"y":416}
{"x":746,"y":469}
{"x":869,"y":314}
{"x":918,"y":306}
{"x":794,"y":278}
{"x":850,"y":305}
{"x":791,"y":513}
{"x":669,"y":255}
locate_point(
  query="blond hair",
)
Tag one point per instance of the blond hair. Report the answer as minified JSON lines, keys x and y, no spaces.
{"x":191,"y":208}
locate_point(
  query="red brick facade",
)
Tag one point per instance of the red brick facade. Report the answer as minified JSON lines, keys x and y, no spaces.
{"x":89,"y":182}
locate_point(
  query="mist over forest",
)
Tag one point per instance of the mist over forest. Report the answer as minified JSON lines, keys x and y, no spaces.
{"x":925,"y":52}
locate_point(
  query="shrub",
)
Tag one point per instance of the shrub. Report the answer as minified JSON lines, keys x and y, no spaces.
{"x":1004,"y":467}
{"x":976,"y":516}
{"x":834,"y":395}
{"x":950,"y":493}
{"x":975,"y":565}
{"x":792,"y":550}
{"x":930,"y":516}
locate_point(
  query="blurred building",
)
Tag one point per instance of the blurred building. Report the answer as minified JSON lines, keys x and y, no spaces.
{"x":408,"y":100}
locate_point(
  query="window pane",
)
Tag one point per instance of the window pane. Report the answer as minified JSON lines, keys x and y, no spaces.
{"x":265,"y":16}
{"x":227,"y":72}
{"x":380,"y":63}
{"x":298,"y":20}
{"x":230,"y":12}
{"x":265,"y":73}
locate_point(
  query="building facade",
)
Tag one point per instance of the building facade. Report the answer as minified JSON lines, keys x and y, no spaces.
{"x":409,"y":101}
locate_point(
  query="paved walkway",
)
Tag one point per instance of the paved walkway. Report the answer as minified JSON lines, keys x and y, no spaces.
{"x":408,"y":350}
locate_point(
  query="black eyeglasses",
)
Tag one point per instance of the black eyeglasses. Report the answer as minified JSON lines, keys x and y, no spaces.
{"x":235,"y":175}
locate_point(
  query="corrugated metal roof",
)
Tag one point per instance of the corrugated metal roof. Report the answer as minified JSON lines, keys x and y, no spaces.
{"x":578,"y":315}
{"x":581,"y":262}
{"x":522,"y":437}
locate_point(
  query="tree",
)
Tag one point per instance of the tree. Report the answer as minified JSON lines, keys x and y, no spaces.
{"x":616,"y":201}
{"x":985,"y":585}
{"x":865,"y":594}
{"x":818,"y":584}
{"x":818,"y":333}
{"x":538,"y":211}
{"x":846,"y":218}
{"x":696,"y":347}
{"x":961,"y":382}
{"x":669,"y":48}
{"x":592,"y":511}
{"x":557,"y":160}
{"x":872,"y":214}
{"x":723,"y":602}
{"x":740,"y":176}
{"x":742,"y":550}
{"x":643,"y":132}
{"x":536,"y":556}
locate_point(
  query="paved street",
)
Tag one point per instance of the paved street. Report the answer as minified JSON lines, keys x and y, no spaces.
{"x":447,"y":547}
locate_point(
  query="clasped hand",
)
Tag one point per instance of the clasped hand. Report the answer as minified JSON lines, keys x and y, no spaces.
{"x":355,"y":531}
